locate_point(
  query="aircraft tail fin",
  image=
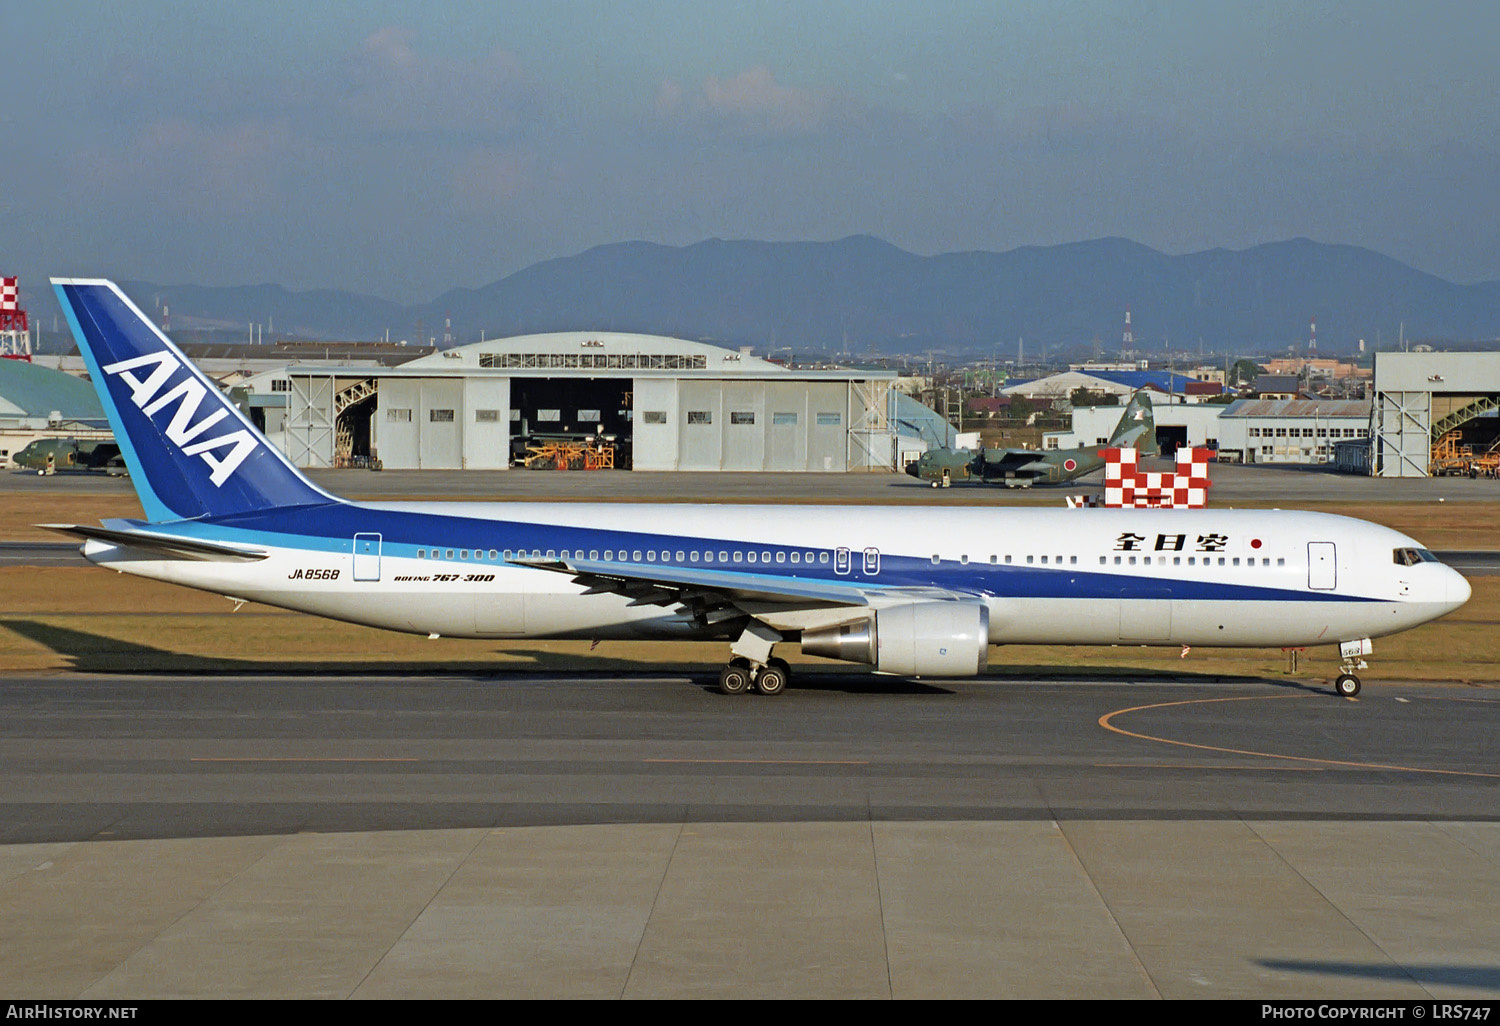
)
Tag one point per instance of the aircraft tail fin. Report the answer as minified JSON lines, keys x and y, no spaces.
{"x":1137,"y":427}
{"x":190,"y":451}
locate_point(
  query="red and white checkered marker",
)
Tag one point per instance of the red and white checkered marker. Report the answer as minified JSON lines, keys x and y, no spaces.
{"x":10,"y":294}
{"x":1126,"y":487}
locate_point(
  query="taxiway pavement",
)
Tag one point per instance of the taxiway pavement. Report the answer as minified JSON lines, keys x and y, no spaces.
{"x":644,"y":836}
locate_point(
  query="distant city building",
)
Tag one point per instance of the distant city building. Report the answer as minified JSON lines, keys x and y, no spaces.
{"x":1277,"y":386}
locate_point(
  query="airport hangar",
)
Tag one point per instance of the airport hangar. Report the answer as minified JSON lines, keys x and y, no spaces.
{"x":1428,"y":407}
{"x":39,"y":402}
{"x":665,"y":403}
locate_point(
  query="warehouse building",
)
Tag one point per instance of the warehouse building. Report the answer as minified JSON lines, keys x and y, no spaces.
{"x":656,"y":403}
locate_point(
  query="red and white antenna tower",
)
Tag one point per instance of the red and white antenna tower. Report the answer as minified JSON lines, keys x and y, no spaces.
{"x":447,"y":332}
{"x":166,"y":318}
{"x":1128,"y":342}
{"x":15,"y":340}
{"x":1312,"y":339}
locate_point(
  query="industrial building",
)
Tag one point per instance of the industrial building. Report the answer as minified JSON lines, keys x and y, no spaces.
{"x":1247,"y":430}
{"x":1434,"y":413}
{"x":656,"y":403}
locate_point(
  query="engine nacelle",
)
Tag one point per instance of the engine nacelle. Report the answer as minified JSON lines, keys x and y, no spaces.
{"x":924,"y":639}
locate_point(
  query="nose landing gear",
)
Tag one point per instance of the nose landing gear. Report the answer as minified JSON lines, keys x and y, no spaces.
{"x":1346,"y":684}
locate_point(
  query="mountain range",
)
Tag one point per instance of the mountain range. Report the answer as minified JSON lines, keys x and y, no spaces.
{"x":864,"y":295}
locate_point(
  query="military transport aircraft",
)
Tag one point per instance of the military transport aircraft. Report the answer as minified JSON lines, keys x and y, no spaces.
{"x":1022,"y":468}
{"x":902,"y":590}
{"x":50,"y":454}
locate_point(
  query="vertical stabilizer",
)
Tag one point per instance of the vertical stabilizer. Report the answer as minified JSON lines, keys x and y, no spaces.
{"x":191,"y":453}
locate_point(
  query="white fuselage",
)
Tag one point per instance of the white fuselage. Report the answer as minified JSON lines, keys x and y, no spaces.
{"x":1048,"y":576}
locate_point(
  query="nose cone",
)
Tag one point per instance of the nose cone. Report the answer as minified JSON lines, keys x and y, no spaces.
{"x":914,"y":468}
{"x":1458,"y":590}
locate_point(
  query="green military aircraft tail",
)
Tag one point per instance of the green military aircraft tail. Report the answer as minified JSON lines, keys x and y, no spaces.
{"x":1021,"y":468}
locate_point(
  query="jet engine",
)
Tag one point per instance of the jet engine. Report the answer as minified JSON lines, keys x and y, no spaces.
{"x":923,"y":639}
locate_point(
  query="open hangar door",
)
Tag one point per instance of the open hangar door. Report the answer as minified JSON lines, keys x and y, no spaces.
{"x":1171,"y":438}
{"x":572,"y":409}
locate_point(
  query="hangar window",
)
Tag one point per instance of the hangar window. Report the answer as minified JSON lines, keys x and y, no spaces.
{"x":700,"y":417}
{"x":440,"y":416}
{"x":784,"y":418}
{"x":515,"y":416}
{"x":586,"y":415}
{"x":1281,"y":432}
{"x":402,"y":416}
{"x":742,"y":417}
{"x":486,"y":416}
{"x":653,"y":416}
{"x":549,"y":416}
{"x":1255,"y":432}
{"x":830,"y":419}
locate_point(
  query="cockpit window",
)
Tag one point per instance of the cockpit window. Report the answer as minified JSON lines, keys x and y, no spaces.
{"x":1411,"y":557}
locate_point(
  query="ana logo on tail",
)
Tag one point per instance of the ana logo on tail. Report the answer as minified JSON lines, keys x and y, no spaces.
{"x":188,"y":394}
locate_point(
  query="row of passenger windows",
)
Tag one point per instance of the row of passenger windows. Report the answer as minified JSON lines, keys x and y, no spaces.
{"x":1125,"y":560}
{"x":694,"y":556}
{"x":631,"y":556}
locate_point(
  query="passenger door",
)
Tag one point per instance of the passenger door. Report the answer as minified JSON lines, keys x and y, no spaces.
{"x":367,"y":557}
{"x":1322,"y":571}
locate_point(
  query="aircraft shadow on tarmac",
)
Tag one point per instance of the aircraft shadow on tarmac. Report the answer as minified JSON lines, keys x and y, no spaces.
{"x":1482,"y":977}
{"x":96,"y":653}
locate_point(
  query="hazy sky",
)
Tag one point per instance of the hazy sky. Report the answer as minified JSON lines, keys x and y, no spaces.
{"x":403,"y":148}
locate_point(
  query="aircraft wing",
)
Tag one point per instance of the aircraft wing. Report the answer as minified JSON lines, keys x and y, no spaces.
{"x":1014,"y":460}
{"x":718,"y":594}
{"x":169,"y":546}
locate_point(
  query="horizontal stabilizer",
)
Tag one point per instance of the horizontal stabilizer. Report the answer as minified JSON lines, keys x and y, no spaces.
{"x":178,"y":547}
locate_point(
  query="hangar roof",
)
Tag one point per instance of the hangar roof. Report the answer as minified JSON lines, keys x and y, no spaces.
{"x":1298,"y":408}
{"x":29,"y":390}
{"x":659,"y":352}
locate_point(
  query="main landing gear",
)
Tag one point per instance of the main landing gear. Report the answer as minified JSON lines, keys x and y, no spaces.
{"x":1346,"y":684}
{"x":740,"y":676}
{"x":753,"y":665}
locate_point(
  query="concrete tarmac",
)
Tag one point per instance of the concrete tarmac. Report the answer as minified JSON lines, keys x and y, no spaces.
{"x":606,"y":836}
